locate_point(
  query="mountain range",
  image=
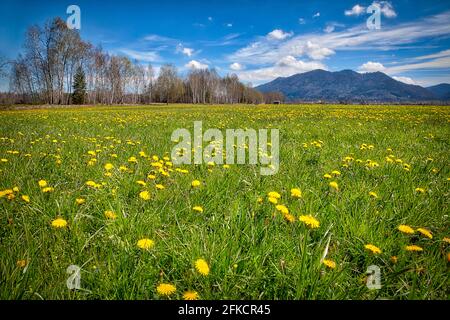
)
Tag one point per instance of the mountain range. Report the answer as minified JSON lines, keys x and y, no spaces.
{"x":350,"y":86}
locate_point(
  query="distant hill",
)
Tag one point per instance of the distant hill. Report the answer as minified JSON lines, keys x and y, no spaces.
{"x":347,"y":86}
{"x":441,"y":91}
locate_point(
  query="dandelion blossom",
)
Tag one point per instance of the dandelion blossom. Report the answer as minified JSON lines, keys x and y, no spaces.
{"x":373,"y":195}
{"x":145,"y":243}
{"x":198,"y":209}
{"x":48,"y":189}
{"x":80,"y":201}
{"x":420,"y":190}
{"x":42,"y":183}
{"x":109,"y":166}
{"x":413,"y":248}
{"x":202,"y":267}
{"x":425,"y":232}
{"x":274,"y":194}
{"x":195,"y":184}
{"x":59,"y":223}
{"x":26,"y":198}
{"x":329,"y":263}
{"x":296,"y":193}
{"x":405,"y":229}
{"x":190,"y":295}
{"x":166,"y":289}
{"x":334,"y":185}
{"x":273,"y":200}
{"x":110,"y":214}
{"x":310,"y":221}
{"x":372,"y":248}
{"x":160,"y":187}
{"x":144,"y":195}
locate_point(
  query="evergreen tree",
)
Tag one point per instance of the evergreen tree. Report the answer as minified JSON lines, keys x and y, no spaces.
{"x":79,"y":87}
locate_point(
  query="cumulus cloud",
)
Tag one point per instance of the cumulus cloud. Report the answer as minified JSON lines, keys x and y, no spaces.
{"x":371,"y":67}
{"x":301,"y":21}
{"x":355,"y":11}
{"x":236,"y":66}
{"x":279,"y":34}
{"x":194,"y":64}
{"x":184,"y":50}
{"x":316,"y":15}
{"x":386,"y":9}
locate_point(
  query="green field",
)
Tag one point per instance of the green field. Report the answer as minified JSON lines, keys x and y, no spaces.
{"x":254,"y":250}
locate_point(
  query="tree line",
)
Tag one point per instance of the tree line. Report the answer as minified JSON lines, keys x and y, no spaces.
{"x":58,"y":67}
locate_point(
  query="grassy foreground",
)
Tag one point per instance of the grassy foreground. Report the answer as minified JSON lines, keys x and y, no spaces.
{"x":389,"y":164}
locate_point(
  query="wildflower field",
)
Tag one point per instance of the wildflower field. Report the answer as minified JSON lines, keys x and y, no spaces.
{"x":95,"y":188}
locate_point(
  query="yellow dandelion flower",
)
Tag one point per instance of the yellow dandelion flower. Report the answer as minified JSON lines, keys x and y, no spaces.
{"x":413,"y":248}
{"x":273,"y":200}
{"x":289,"y":217}
{"x":310,"y":221}
{"x":405,"y":229}
{"x":372,"y":248}
{"x":132,"y":160}
{"x":166,"y":289}
{"x":141,"y":183}
{"x":373,"y":195}
{"x":42,"y":183}
{"x":282,"y":208}
{"x":420,"y":190}
{"x":336,"y":173}
{"x":274,"y":194}
{"x":109,"y":166}
{"x":196,"y":183}
{"x":160,"y":187}
{"x":190,"y":295}
{"x":296,"y":193}
{"x":202,"y":267}
{"x":226,"y":166}
{"x":260,"y":200}
{"x":26,"y":198}
{"x":329,"y":263}
{"x":151,"y":176}
{"x":59,"y":223}
{"x":145,"y":243}
{"x":110,"y":214}
{"x":334,"y":185}
{"x":16,"y":189}
{"x":445,"y":239}
{"x":425,"y":232}
{"x":327,"y":176}
{"x":80,"y":201}
{"x":394,"y":259}
{"x":48,"y":189}
{"x":198,"y":209}
{"x":144,"y":195}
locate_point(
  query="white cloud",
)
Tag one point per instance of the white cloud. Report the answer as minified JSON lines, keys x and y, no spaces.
{"x":229,"y":25}
{"x":279,"y":34}
{"x":371,"y":67}
{"x":301,"y":21}
{"x":285,"y":67}
{"x":321,"y":45}
{"x":236,"y":66}
{"x":194,"y":64}
{"x":386,"y":9}
{"x":316,"y":15}
{"x":210,"y":19}
{"x":189,"y":52}
{"x":143,"y":56}
{"x":332,"y":26}
{"x":355,"y":11}
{"x":406,"y":80}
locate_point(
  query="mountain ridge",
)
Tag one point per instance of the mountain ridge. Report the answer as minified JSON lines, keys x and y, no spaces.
{"x":350,"y":86}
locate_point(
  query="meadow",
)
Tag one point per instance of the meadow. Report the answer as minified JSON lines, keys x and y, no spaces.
{"x":95,"y":187}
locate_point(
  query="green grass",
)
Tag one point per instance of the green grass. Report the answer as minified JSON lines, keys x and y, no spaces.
{"x":253,"y":253}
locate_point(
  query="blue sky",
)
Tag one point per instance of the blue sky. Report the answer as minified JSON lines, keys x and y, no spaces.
{"x":258,"y":40}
